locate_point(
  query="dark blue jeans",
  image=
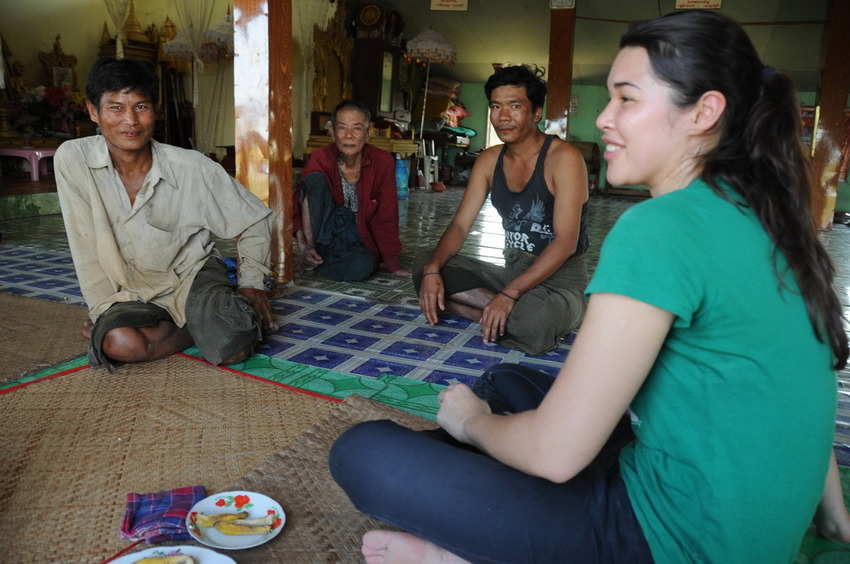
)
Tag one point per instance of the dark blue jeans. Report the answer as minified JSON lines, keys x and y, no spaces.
{"x":480,"y":509}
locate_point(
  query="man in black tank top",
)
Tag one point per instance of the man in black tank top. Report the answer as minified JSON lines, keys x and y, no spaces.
{"x":538,"y":184}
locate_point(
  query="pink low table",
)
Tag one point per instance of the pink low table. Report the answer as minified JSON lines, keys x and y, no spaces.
{"x":34,"y":156}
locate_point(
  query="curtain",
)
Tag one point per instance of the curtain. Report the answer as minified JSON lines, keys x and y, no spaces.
{"x":195,"y":18}
{"x":118,"y":10}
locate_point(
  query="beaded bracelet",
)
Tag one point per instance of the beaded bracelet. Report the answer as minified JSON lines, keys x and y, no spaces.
{"x":507,"y":296}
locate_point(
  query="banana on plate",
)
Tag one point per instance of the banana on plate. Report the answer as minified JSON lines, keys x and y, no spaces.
{"x":205,"y":521}
{"x":235,"y":528}
{"x":180,"y":559}
{"x":257,"y":521}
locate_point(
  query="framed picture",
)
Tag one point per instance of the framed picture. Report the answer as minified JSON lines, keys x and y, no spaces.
{"x":63,"y":76}
{"x":807,"y":114}
{"x":844,"y":163}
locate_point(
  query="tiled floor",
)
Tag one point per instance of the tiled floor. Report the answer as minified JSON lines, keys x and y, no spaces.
{"x":369,"y":328}
{"x":373,"y":328}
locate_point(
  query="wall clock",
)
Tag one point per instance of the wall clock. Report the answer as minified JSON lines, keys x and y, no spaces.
{"x":371,"y":14}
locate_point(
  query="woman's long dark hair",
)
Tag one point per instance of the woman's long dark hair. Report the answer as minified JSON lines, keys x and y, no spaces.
{"x":759,"y":152}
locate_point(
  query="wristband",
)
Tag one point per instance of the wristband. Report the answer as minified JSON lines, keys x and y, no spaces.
{"x":424,"y":274}
{"x":507,"y":296}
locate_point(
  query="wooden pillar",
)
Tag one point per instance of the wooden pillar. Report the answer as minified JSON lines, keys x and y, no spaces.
{"x":262,"y":74}
{"x":832,"y":99}
{"x":562,"y":29}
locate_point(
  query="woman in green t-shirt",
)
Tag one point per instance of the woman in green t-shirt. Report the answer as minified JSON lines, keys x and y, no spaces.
{"x":712,"y":322}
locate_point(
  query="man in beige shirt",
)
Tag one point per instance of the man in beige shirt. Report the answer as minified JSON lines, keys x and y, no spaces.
{"x":140,"y":216}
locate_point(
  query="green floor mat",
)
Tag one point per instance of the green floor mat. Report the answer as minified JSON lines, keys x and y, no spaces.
{"x":406,"y":394}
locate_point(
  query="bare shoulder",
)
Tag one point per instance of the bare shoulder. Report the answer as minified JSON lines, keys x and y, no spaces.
{"x":563,"y":155}
{"x":566,"y":170}
{"x":483,"y":167}
{"x":564,"y":152}
{"x":488,"y":156}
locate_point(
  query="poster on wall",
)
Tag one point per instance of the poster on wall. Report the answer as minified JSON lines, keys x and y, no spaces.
{"x":807,"y":115}
{"x":450,"y":5}
{"x":573,"y":105}
{"x":698,"y":4}
{"x":844,"y":162}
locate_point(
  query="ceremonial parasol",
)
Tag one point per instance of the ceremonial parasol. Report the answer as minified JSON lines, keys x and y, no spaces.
{"x":430,"y":47}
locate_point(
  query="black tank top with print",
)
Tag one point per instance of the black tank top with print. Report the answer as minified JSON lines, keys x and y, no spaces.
{"x":527,"y":214}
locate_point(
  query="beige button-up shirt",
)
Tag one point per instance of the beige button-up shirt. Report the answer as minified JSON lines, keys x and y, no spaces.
{"x":151,"y":251}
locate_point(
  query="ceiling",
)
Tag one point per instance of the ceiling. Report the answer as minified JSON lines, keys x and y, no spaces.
{"x":787,"y":33}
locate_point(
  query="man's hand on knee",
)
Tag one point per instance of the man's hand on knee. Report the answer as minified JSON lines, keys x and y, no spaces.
{"x":312,"y":258}
{"x":309,"y":256}
{"x":262,"y":308}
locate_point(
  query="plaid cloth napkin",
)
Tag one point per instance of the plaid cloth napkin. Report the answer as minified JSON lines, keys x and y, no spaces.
{"x":161,"y":516}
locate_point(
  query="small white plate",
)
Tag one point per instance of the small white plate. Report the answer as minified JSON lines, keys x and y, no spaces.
{"x":257,"y":505}
{"x":200,"y":554}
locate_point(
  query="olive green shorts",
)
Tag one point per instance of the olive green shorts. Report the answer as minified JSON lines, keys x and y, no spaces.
{"x":541,"y":316}
{"x":220,"y":320}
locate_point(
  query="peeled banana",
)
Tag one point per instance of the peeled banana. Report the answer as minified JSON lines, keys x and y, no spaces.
{"x":234,"y":528}
{"x":205,"y":521}
{"x":236,"y":523}
{"x":181,"y":559}
{"x":267,"y":520}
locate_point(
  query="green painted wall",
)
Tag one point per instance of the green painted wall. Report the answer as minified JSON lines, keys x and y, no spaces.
{"x":471,"y":94}
{"x":592,"y":100}
{"x":582,"y":126}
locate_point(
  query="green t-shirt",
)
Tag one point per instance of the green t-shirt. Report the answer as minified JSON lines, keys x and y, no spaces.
{"x":735,"y":421}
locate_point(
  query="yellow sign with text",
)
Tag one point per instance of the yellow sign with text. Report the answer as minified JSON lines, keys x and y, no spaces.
{"x":446,"y":5}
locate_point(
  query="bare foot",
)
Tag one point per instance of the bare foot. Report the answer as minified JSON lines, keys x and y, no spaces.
{"x":86,"y":330}
{"x":387,"y":547}
{"x":462,"y":310}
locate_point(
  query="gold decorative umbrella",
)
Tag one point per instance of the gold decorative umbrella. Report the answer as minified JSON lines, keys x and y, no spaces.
{"x":426,"y":48}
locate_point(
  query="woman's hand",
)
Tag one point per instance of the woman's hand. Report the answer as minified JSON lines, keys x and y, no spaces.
{"x":832,"y":519}
{"x":834,"y":526}
{"x":458,"y":406}
{"x":431,"y":296}
{"x":494,"y":317}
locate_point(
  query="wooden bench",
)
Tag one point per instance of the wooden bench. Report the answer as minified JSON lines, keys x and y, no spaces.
{"x":34,"y":156}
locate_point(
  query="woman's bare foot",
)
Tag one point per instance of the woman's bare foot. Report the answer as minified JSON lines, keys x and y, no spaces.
{"x":86,"y":330}
{"x":387,"y":547}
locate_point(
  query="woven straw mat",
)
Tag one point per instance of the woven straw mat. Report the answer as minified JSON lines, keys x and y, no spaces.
{"x":37,"y":333}
{"x":321,"y":523}
{"x":72,"y":447}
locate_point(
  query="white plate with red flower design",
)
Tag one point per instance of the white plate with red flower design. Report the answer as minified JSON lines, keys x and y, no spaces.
{"x":200,"y":554}
{"x":257,"y":506}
